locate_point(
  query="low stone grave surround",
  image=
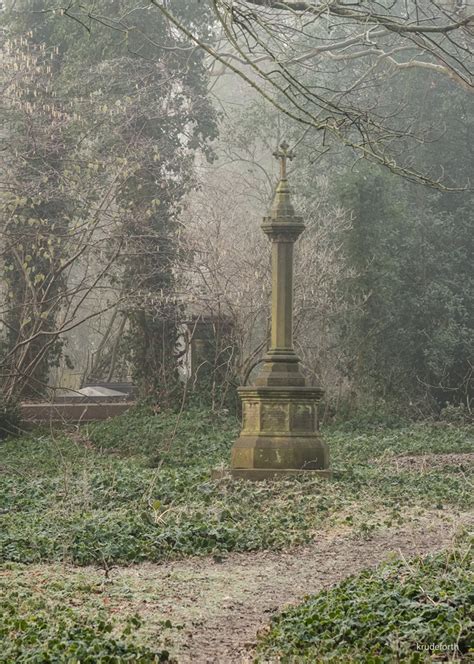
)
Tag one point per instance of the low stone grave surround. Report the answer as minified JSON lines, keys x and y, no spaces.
{"x":88,"y":404}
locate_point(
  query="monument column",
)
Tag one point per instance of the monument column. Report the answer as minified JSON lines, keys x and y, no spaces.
{"x":280,"y":428}
{"x":282,"y":295}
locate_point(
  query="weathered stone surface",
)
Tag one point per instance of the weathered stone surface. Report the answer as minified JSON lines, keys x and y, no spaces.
{"x":98,"y":391}
{"x":285,"y":436}
{"x":71,"y":412}
{"x":259,"y":474}
{"x":251,"y":416}
{"x":280,"y":424}
{"x":275,"y":417}
{"x":280,"y":453}
{"x":303,"y":417}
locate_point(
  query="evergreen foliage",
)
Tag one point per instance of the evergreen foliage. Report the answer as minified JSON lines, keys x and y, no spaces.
{"x":412,"y":338}
{"x":395,"y":613}
{"x":36,"y":630}
{"x":140,"y":488}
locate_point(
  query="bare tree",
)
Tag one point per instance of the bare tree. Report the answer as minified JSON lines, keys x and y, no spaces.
{"x":63,"y":238}
{"x":228,"y":273}
{"x":98,"y":154}
{"x":55,"y":216}
{"x":330,"y":65}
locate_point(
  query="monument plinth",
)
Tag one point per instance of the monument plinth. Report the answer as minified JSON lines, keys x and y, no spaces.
{"x":279,"y":413}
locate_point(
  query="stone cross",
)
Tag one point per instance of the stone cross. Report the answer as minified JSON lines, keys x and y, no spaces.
{"x":283,"y":153}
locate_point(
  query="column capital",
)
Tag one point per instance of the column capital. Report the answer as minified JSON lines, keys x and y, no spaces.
{"x":283,"y":231}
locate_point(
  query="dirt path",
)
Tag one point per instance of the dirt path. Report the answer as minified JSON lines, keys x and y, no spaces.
{"x":222,"y":605}
{"x":217,"y":607}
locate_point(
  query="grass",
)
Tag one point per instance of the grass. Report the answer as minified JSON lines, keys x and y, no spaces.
{"x":393,"y":614}
{"x":138,"y":488}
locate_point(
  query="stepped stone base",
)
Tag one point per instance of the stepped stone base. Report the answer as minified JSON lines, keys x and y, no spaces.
{"x":279,"y":433}
{"x":257,"y":474}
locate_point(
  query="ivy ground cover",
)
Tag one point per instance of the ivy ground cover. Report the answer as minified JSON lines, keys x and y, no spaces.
{"x":404,"y":611}
{"x":139,"y":488}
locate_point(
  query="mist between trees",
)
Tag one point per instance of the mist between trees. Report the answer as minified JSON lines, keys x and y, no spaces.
{"x":136,"y":168}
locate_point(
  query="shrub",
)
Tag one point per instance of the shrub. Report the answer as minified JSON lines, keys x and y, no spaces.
{"x":456,"y":414}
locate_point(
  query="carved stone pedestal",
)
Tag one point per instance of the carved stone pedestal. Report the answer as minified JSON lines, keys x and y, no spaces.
{"x":280,"y":421}
{"x":279,"y":434}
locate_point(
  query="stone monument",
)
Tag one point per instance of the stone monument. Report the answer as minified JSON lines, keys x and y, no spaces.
{"x":280,"y":433}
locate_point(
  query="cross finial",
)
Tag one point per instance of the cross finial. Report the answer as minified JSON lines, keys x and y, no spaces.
{"x":283,"y":153}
